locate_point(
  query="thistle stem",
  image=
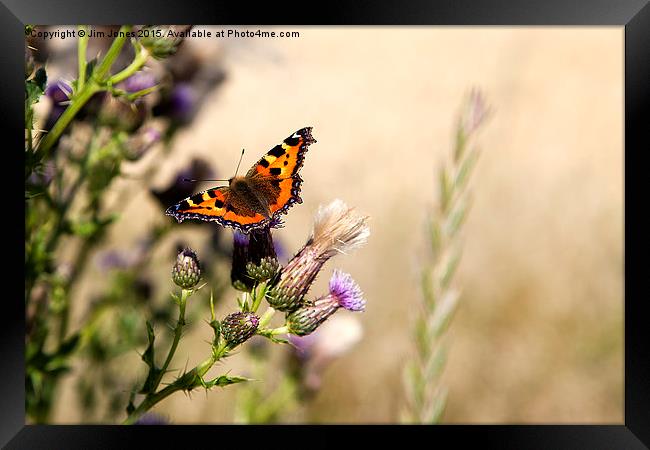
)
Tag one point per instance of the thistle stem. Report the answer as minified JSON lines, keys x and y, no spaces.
{"x":280,"y":330}
{"x":258,"y":295}
{"x":178,"y":332}
{"x":140,"y":58}
{"x":81,"y":57}
{"x":180,"y":384}
{"x":266,"y":317}
{"x":95,"y":84}
{"x":116,"y":47}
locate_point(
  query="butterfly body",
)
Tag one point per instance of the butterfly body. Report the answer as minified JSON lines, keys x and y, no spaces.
{"x":250,"y":202}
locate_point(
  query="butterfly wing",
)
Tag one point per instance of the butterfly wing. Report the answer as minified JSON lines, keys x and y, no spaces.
{"x":272,"y":182}
{"x":219,"y":205}
{"x":275,"y":176}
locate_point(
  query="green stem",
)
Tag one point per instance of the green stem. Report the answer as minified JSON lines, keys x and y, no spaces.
{"x":280,"y":330}
{"x":90,"y":88}
{"x":266,"y":317}
{"x":81,"y":57}
{"x":258,"y":295}
{"x":116,"y":47}
{"x":180,"y":384}
{"x":70,"y":112}
{"x":140,"y":58}
{"x":178,"y":332}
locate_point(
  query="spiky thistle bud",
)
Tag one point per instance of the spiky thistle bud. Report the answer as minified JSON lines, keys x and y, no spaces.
{"x":239,"y":327}
{"x":337,"y":229}
{"x":186,"y":273}
{"x":254,"y":259}
{"x":344,"y":293}
{"x":162,"y":42}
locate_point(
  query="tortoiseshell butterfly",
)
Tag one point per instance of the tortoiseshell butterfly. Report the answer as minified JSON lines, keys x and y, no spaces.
{"x":250,"y":202}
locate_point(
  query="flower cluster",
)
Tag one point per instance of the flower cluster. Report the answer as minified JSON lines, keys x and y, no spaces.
{"x":337,"y":229}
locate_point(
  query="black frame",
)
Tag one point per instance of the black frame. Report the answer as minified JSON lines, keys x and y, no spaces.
{"x":633,"y":15}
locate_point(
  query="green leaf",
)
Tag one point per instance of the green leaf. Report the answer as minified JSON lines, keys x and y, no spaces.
{"x":90,"y":67}
{"x":225,"y":380}
{"x":148,"y":355}
{"x":69,"y":345}
{"x":130,"y":407}
{"x":34,"y":88}
{"x":216,"y":327}
{"x":148,"y":358}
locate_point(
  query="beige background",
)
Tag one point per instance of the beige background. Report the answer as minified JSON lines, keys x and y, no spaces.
{"x":538,"y":337}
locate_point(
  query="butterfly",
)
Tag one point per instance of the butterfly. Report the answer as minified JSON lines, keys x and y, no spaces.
{"x":252,"y":201}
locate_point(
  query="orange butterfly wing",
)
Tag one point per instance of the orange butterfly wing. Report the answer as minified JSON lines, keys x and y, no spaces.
{"x":274,"y":178}
{"x":277,"y":172}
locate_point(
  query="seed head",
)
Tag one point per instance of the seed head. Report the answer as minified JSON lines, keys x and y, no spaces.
{"x":337,"y":229}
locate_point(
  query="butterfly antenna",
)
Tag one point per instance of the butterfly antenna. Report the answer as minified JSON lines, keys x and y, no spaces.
{"x":192,"y":180}
{"x":240,"y":158}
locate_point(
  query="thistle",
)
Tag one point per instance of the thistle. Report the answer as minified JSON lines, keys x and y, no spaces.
{"x":344,"y":292}
{"x":158,"y":41}
{"x":238,"y":327}
{"x":186,"y":273}
{"x":254,"y":259}
{"x":337,"y":229}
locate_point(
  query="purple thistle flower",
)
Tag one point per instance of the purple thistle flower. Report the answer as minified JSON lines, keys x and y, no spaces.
{"x":254,"y":258}
{"x":43,"y":175}
{"x":241,"y":239}
{"x":346,"y":291}
{"x":238,"y":276}
{"x":182,"y":102}
{"x":152,"y":419}
{"x":113,"y":259}
{"x":138,"y":81}
{"x":58,"y":91}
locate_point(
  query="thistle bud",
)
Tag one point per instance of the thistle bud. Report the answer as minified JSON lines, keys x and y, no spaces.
{"x":344,"y":293}
{"x":254,"y":259}
{"x":187,"y":271}
{"x":239,"y":327}
{"x":159,"y":42}
{"x":265,"y":270}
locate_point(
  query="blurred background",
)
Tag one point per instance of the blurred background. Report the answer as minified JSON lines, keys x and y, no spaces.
{"x":538,"y":336}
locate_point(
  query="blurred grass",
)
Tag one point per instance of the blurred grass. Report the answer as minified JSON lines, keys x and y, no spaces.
{"x":538,"y":337}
